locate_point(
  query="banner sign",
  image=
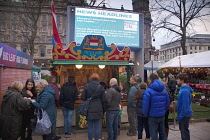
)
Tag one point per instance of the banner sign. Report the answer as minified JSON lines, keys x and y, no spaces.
{"x":11,"y":57}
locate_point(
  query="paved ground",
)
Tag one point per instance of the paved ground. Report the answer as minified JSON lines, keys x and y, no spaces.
{"x":198,"y":131}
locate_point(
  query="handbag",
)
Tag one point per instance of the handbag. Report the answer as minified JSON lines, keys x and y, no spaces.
{"x":83,"y":110}
{"x":43,"y":124}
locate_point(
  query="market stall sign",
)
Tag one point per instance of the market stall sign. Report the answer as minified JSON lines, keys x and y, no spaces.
{"x":11,"y":57}
{"x":93,"y":47}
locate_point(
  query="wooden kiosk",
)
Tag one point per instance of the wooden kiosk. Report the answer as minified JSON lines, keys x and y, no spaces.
{"x":92,"y":56}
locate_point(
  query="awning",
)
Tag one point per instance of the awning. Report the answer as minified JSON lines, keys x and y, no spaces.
{"x":77,"y":62}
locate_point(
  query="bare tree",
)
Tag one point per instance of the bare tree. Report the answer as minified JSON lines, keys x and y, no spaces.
{"x":179,"y":16}
{"x":28,"y":13}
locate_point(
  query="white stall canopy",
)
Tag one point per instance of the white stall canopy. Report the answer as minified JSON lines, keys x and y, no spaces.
{"x":189,"y":61}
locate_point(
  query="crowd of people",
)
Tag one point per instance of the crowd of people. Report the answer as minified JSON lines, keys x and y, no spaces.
{"x":147,"y":107}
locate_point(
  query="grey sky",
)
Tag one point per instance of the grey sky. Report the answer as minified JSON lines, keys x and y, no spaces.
{"x":160,"y":37}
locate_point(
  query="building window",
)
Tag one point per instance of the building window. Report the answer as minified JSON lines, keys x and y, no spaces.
{"x":59,"y":28}
{"x":3,"y":27}
{"x":2,"y":38}
{"x":195,"y":47}
{"x":58,"y":19}
{"x":42,"y":52}
{"x":14,"y":27}
{"x":24,"y":50}
{"x":14,"y":16}
{"x":44,"y":17}
{"x":190,"y":52}
{"x":25,"y":39}
{"x":44,"y":27}
{"x":199,"y":47}
{"x":25,"y":28}
{"x":43,"y":38}
{"x":14,"y":38}
{"x":190,"y":47}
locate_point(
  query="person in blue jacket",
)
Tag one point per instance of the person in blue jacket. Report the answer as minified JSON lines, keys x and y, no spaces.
{"x":46,"y":101}
{"x":183,"y":106}
{"x":154,"y":106}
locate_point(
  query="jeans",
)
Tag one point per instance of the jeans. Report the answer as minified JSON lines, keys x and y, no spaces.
{"x":143,"y":123}
{"x":132,"y":118}
{"x":94,"y":129}
{"x":112,"y":124}
{"x":54,"y":127}
{"x":184,"y":128}
{"x":156,"y":125}
{"x":67,"y":113}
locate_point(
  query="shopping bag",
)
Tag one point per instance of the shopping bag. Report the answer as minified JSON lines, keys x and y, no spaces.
{"x":43,"y":124}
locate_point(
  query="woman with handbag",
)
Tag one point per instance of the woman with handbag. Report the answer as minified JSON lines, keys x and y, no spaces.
{"x":12,"y":106}
{"x":95,"y":110}
{"x":46,"y":102}
{"x":29,"y":91}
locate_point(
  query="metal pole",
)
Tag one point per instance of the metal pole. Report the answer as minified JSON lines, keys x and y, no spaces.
{"x":152,"y":66}
{"x":174,"y":126}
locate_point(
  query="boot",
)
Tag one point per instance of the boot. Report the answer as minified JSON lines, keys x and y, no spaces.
{"x":167,"y":130}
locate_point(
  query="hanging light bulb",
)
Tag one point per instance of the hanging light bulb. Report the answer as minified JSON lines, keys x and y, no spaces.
{"x":101,"y":66}
{"x":79,"y":66}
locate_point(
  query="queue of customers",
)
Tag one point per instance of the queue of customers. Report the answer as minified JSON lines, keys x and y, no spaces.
{"x":147,"y":107}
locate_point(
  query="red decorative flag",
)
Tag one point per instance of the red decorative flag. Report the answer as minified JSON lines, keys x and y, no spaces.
{"x":55,"y":35}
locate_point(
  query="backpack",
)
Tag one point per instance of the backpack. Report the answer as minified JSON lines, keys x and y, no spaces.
{"x":83,"y":110}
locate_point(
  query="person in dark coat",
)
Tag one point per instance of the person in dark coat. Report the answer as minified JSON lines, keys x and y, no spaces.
{"x":68,"y":95}
{"x":113,"y":96}
{"x":95,"y":110}
{"x":172,"y":86}
{"x":142,"y":121}
{"x":13,"y":103}
{"x":52,"y":83}
{"x":29,"y":91}
{"x":46,"y":102}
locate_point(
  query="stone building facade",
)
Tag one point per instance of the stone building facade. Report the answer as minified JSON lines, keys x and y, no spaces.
{"x":195,"y":44}
{"x":10,"y":29}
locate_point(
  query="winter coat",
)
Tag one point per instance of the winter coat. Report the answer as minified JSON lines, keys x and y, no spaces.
{"x":156,"y":100}
{"x":68,"y":95}
{"x":12,"y":106}
{"x":172,"y":84}
{"x":28,"y":114}
{"x":46,"y":101}
{"x":96,"y":107}
{"x":183,"y":106}
{"x":113,"y":97}
{"x":57,"y":91}
{"x":139,"y":105}
{"x":131,"y":95}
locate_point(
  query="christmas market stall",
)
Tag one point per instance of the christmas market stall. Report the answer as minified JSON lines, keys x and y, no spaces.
{"x":197,"y":67}
{"x":92,"y":56}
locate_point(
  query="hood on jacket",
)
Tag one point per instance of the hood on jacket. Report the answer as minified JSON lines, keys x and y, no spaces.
{"x":48,"y":89}
{"x":93,"y":84}
{"x":187,"y":87}
{"x":157,"y":85}
{"x":7,"y":95}
{"x":116,"y":88}
{"x":69,"y":84}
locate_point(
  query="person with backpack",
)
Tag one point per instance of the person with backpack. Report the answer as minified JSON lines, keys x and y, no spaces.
{"x":68,"y":96}
{"x":96,"y":106}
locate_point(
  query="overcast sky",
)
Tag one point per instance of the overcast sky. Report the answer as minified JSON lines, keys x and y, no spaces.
{"x":160,"y":38}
